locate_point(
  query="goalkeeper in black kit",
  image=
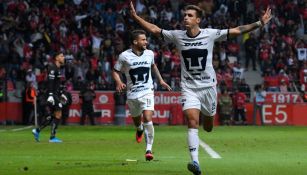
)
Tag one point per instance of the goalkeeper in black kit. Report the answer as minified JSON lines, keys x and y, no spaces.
{"x":55,"y":99}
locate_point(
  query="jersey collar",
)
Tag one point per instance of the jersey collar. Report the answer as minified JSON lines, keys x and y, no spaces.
{"x":193,"y":36}
{"x":136,"y":53}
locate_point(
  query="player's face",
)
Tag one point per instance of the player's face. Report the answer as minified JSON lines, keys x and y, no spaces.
{"x":141,"y":42}
{"x":190,"y":19}
{"x":61,"y":59}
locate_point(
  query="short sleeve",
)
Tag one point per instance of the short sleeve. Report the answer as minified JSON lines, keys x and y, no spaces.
{"x":218,"y":35}
{"x":120,"y":63}
{"x":167,"y":35}
{"x":51,"y":73}
{"x":153,"y":57}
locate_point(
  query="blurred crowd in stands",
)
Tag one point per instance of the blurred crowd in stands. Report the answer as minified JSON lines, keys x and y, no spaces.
{"x":92,"y":33}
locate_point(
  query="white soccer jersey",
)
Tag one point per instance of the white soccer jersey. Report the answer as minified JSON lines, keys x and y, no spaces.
{"x":138,"y":72}
{"x":196,"y":55}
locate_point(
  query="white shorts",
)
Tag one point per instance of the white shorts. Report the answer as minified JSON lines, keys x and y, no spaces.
{"x":203,"y":99}
{"x":137,"y":106}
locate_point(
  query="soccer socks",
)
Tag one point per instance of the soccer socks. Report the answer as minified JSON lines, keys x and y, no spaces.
{"x":149,"y":134}
{"x":45,"y":123}
{"x":193,"y":142}
{"x":54,"y":126}
{"x":140,"y":127}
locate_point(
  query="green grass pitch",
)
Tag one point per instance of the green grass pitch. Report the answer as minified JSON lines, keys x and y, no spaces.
{"x":103,"y":150}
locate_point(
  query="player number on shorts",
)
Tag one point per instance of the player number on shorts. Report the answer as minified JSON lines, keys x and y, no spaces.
{"x":195,"y":59}
{"x":139,"y":75}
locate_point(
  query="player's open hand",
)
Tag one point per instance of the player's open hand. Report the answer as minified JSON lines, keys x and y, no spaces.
{"x":120,"y":87}
{"x":165,"y":85}
{"x":266,"y":16}
{"x":132,"y":10}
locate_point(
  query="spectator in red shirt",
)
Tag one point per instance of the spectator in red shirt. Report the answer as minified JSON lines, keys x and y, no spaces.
{"x":85,"y":41}
{"x":233,"y":49}
{"x":228,"y":77}
{"x":239,"y":103}
{"x":265,"y":51}
{"x":94,"y":62}
{"x":27,"y":50}
{"x":175,"y":58}
{"x":219,"y":76}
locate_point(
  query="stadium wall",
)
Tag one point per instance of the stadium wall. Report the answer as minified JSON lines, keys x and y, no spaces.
{"x":279,"y":109}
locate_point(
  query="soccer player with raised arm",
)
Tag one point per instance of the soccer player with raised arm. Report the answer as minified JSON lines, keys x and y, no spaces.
{"x":198,"y":79}
{"x":55,"y":99}
{"x":136,"y":63}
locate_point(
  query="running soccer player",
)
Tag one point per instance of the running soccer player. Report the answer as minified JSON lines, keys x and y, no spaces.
{"x":198,"y":78}
{"x":55,"y":99}
{"x":136,"y":63}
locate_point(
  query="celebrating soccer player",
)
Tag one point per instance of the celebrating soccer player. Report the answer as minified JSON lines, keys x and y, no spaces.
{"x":136,"y":63}
{"x":198,"y":79}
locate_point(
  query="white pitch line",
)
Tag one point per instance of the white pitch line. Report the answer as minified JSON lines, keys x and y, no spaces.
{"x":209,"y":150}
{"x":20,"y":129}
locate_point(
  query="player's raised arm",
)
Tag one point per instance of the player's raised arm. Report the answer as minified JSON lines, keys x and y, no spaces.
{"x":155,"y":30}
{"x":159,"y":77}
{"x":250,"y":27}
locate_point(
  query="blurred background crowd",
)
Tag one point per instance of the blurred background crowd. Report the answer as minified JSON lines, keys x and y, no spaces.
{"x":92,"y":33}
